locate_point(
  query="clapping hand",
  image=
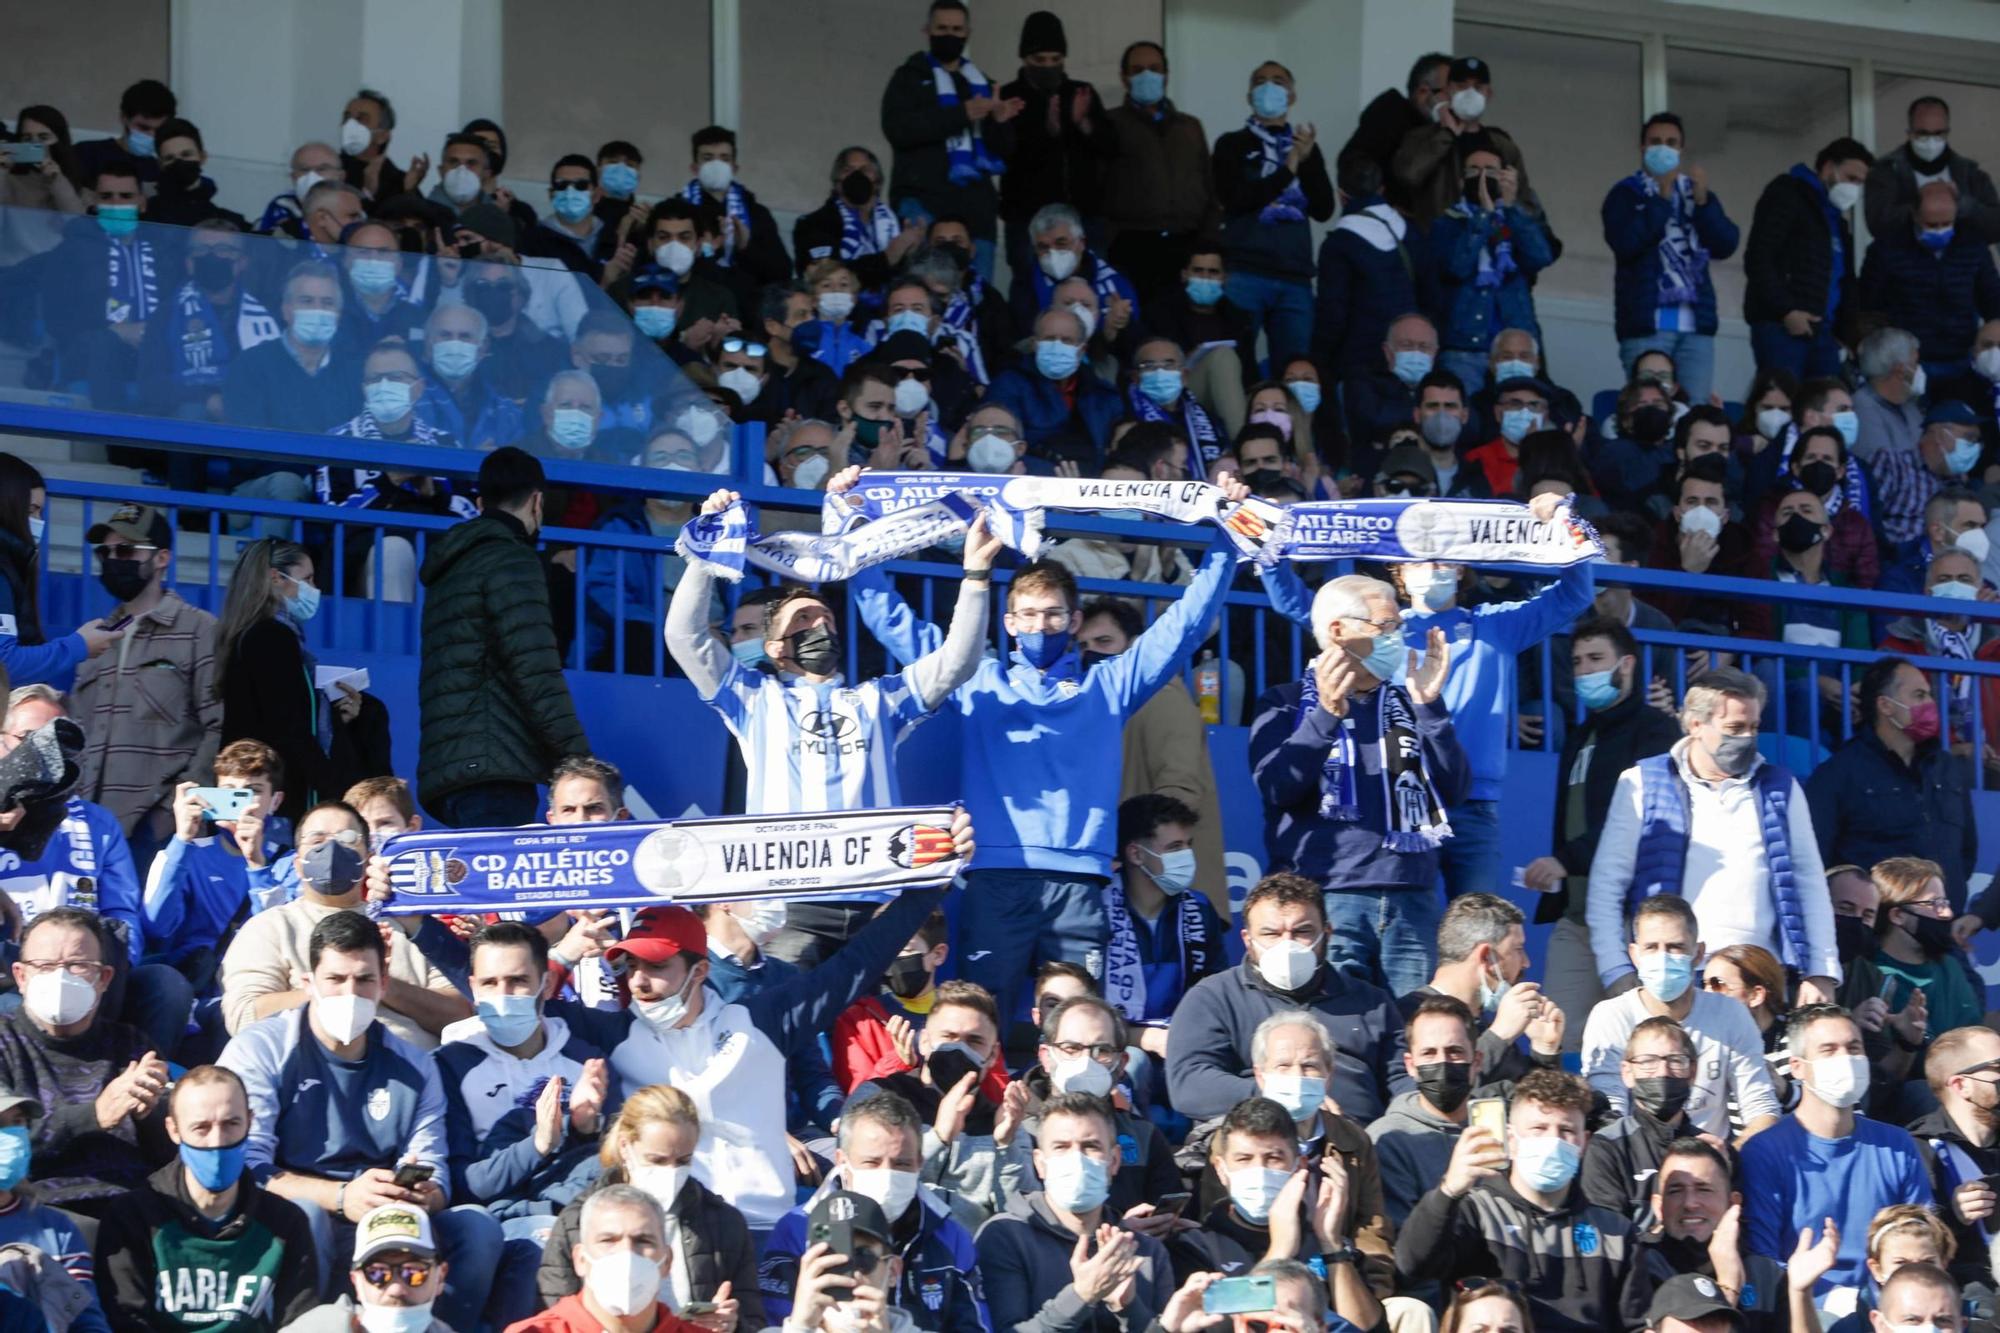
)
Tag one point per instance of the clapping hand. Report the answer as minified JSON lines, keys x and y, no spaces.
{"x":1427,"y":680}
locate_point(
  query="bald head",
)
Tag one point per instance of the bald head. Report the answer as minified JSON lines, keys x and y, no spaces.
{"x":1937,"y":206}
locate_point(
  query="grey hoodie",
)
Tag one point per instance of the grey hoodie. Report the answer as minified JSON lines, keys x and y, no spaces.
{"x":1413,"y":1145}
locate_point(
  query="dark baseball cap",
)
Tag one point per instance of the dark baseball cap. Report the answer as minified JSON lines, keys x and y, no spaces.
{"x":1950,"y":413}
{"x":861,"y":1213}
{"x":1689,"y":1297}
{"x":1408,"y":460}
{"x":1469,"y":69}
{"x":140,"y":524}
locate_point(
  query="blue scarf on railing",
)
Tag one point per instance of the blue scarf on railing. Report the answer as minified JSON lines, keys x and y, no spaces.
{"x":858,"y":238}
{"x":133,"y":281}
{"x":733,"y":205}
{"x":194,"y":335}
{"x":1683,"y":259}
{"x":967,"y":152}
{"x":1290,"y":205}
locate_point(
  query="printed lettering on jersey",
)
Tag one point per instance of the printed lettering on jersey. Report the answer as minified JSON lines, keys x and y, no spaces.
{"x":777,"y":1274}
{"x":690,"y":860}
{"x":201,"y":1295}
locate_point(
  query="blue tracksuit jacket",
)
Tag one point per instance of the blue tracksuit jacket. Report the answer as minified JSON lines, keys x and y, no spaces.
{"x":195,"y":889}
{"x":86,"y":864}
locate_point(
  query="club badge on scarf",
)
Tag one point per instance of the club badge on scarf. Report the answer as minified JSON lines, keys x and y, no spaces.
{"x":684,"y":861}
{"x":1461,"y":531}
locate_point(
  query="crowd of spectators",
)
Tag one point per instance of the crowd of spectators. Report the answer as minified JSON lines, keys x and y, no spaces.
{"x":1748,"y":1083}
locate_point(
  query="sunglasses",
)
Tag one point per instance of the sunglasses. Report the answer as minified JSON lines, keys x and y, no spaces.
{"x":917,"y":373}
{"x":413,"y":1274}
{"x":746,"y":348}
{"x":122,"y":551}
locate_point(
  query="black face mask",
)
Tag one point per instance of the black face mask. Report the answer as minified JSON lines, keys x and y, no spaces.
{"x":815,"y":650}
{"x":1664,"y":1098}
{"x":1799,"y":533}
{"x":1043,"y":78}
{"x":907,"y":976}
{"x":1853,"y":938}
{"x":947,"y":49}
{"x":212,"y":273}
{"x":1932,"y":935}
{"x":1091,"y":658}
{"x":1445,"y":1084}
{"x":1651,"y":423}
{"x":867,"y":432}
{"x":180,"y":177}
{"x":1818,"y":477}
{"x":856,"y":187}
{"x":125,"y":579}
{"x":1472,"y":192}
{"x":495,"y":300}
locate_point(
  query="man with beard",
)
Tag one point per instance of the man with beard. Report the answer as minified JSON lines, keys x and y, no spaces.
{"x":1958,"y":1140}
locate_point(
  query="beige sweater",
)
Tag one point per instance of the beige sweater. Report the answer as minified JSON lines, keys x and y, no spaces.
{"x":268,"y":955}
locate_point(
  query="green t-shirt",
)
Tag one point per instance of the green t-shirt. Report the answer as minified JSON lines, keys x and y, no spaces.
{"x":204,"y":1283}
{"x":1948,"y":994}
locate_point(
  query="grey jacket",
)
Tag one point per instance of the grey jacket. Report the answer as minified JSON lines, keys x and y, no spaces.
{"x":1413,"y":1145}
{"x":1890,"y":201}
{"x":337,"y":1316}
{"x":1024,"y":1265}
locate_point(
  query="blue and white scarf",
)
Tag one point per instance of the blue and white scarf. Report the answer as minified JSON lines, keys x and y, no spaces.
{"x":734,"y":206}
{"x":1290,"y":205}
{"x":1204,"y":441}
{"x":132,"y":281}
{"x":1683,"y":258}
{"x":870,"y":237}
{"x":1853,"y":488}
{"x":961,"y":316}
{"x":195,"y":341}
{"x":1105,"y":280}
{"x":971,"y":160}
{"x":1417,"y":821}
{"x":1496,"y":262}
{"x":1125,"y":967}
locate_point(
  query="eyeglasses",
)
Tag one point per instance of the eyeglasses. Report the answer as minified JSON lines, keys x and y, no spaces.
{"x":1159,"y":365}
{"x":917,"y":373}
{"x":1102,"y":1051}
{"x":1379,"y":626}
{"x":1671,"y":1064}
{"x":413,"y":1273}
{"x":746,"y":348}
{"x":123,"y":551}
{"x":76,"y":967}
{"x":1924,"y":904}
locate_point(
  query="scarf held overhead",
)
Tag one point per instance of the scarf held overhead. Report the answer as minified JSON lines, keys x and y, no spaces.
{"x":642,"y":864}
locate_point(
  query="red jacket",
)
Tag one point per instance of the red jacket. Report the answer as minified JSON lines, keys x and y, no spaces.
{"x":569,"y":1316}
{"x":1499,"y":461}
{"x":863,"y":1050}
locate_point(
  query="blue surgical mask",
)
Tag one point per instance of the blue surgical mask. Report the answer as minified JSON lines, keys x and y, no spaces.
{"x":1513,"y":370}
{"x":619,"y":179}
{"x":454,"y":358}
{"x":216,"y":1169}
{"x":1597,"y":689}
{"x":1306,"y":392}
{"x":118,"y":219}
{"x":1148,"y":87}
{"x":655,"y":321}
{"x":16,"y":1150}
{"x":372,"y":275}
{"x":571,"y":203}
{"x":139,"y":143}
{"x":1662,"y":158}
{"x":750,"y":652}
{"x":1849,"y":426}
{"x":1516,"y":423}
{"x":387,"y":400}
{"x":509,"y":1019}
{"x":1204,"y":291}
{"x":1056,"y":360}
{"x":314,"y":328}
{"x":1546,"y":1162}
{"x":1043,"y":650}
{"x":1962,"y":457}
{"x":1413,"y":366}
{"x":1270,"y":99}
{"x":908,"y":321}
{"x":302,"y":606}
{"x":1666,"y":975}
{"x":572,"y":427}
{"x":1938,"y":239}
{"x":1389,"y":658}
{"x":1162,"y":386}
{"x":1176,"y":873}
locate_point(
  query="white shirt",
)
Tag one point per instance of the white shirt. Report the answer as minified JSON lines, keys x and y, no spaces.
{"x":1728,"y":1057}
{"x":1727,"y":880}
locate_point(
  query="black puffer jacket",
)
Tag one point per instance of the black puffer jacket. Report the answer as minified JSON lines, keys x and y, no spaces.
{"x":716,"y":1239}
{"x":1788,"y":262}
{"x":495,"y":705}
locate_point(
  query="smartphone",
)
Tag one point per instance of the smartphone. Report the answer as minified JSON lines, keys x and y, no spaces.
{"x":412,"y":1174}
{"x":1488,"y":1113}
{"x":1171,"y":1204}
{"x":1240,"y":1295}
{"x":119,"y":623}
{"x":27,"y":154}
{"x":838,"y":1237}
{"x":694,"y":1308}
{"x":225,"y":804}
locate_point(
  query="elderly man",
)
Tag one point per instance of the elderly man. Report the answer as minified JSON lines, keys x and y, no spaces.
{"x":1934,"y":278}
{"x":1896,"y":180}
{"x":298,"y":382}
{"x":1714,"y":822}
{"x":1386,"y":396}
{"x":1061,"y":251}
{"x":623,"y":1254}
{"x":1888,"y":405}
{"x":1159,"y":392}
{"x":1066,"y":412}
{"x":310,"y":164}
{"x":1923,"y":497}
{"x":1327,"y":751}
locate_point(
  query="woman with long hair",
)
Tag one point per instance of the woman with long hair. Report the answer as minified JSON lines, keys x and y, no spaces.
{"x":267,"y":681}
{"x":25,"y":655}
{"x":1749,"y":974}
{"x":651,"y":1145}
{"x":41,"y":187}
{"x":1483,"y":1305}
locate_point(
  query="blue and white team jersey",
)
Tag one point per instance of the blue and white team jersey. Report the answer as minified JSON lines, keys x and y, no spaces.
{"x":818,"y":747}
{"x":86,"y":864}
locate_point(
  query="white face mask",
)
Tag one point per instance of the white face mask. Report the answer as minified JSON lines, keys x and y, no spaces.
{"x":1771,"y":422}
{"x":624,"y":1281}
{"x":1701,"y":519}
{"x":1253,"y":1189}
{"x":665,"y":1015}
{"x":461,"y":184}
{"x":809,"y":474}
{"x":676,"y":257}
{"x":1844,"y":196}
{"x":1468,"y":104}
{"x":394,"y":1318}
{"x":304,"y":182}
{"x":912,"y":397}
{"x":354,"y":137}
{"x":1975,"y":543}
{"x":1839,"y":1080}
{"x":891,"y":1188}
{"x":1087,"y":316}
{"x":1288,"y":965}
{"x":761,"y":921}
{"x":990,"y":453}
{"x":1988,"y":363}
{"x":662,"y":1182}
{"x":743,"y":381}
{"x":343,"y":1017}
{"x":1080,"y":1074}
{"x":1057,"y":264}
{"x":835,"y":306}
{"x":1928,"y":147}
{"x":715,"y":175}
{"x":59,"y":999}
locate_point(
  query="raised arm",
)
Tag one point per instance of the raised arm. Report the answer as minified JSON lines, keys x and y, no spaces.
{"x":696,"y":651}
{"x":943,"y":669}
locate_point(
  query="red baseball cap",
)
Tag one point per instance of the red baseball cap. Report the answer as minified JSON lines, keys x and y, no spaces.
{"x":658,"y":933}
